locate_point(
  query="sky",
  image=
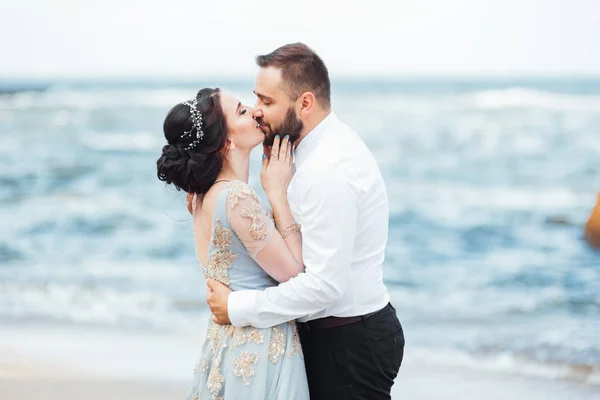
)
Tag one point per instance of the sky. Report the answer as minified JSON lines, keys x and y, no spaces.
{"x":375,"y":38}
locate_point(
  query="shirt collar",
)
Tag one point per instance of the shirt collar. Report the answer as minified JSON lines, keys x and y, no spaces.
{"x":312,"y":138}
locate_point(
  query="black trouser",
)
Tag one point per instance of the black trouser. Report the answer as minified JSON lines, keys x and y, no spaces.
{"x":355,"y":361}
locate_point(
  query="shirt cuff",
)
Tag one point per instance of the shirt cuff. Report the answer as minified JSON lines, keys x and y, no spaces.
{"x":240,"y":306}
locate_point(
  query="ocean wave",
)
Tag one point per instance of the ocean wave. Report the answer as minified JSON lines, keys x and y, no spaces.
{"x":125,"y":141}
{"x":450,"y":201}
{"x":108,"y":98}
{"x":520,"y":97}
{"x":9,"y":254}
{"x":419,"y":104}
{"x":472,"y":302}
{"x":90,"y":303}
{"x":102,"y":99}
{"x":507,"y":362}
{"x":480,"y":288}
{"x":415,"y":103}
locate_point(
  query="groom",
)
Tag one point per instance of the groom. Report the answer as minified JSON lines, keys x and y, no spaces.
{"x":352,"y":340}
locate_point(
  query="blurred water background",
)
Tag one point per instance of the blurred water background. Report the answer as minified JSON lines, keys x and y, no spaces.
{"x":490,"y":183}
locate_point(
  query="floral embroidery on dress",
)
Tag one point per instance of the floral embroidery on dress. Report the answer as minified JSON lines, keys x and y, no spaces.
{"x":277,"y":344}
{"x":258,"y":228}
{"x":238,"y":339}
{"x":216,"y":337}
{"x":239,"y":190}
{"x":215,"y":379}
{"x":254,"y":335}
{"x":217,"y":333}
{"x":213,"y":336}
{"x":222,"y":258}
{"x":245,"y":335}
{"x":220,"y":337}
{"x":296,"y":345}
{"x":243,"y":366}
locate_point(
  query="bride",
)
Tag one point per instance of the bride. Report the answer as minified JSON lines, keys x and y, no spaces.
{"x":238,"y":242}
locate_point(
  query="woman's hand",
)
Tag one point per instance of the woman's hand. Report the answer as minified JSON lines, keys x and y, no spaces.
{"x":276,"y":172}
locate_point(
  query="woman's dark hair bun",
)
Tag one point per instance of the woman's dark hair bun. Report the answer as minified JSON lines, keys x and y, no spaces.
{"x":193,"y":170}
{"x":174,"y":152}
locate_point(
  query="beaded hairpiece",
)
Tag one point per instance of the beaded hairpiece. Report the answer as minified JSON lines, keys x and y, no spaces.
{"x":197,"y":119}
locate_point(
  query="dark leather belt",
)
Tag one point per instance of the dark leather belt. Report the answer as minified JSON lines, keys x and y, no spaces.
{"x":334,"y":322}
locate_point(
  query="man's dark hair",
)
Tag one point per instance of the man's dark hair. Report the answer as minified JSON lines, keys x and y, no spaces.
{"x":302,"y":70}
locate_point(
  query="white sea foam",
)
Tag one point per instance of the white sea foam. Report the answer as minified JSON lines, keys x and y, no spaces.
{"x":125,"y":141}
{"x":518,"y":97}
{"x":507,"y":98}
{"x":507,"y":363}
{"x":473,"y":299}
{"x":438,"y":200}
{"x":93,"y":304}
{"x":383,"y":104}
{"x":98,"y":99}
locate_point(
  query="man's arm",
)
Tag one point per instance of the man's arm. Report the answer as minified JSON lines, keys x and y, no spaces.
{"x":329,"y":209}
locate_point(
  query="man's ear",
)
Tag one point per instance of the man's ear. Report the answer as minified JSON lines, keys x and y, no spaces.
{"x":307,"y":103}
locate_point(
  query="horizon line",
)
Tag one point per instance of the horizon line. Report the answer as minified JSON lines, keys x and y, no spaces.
{"x":7,"y":79}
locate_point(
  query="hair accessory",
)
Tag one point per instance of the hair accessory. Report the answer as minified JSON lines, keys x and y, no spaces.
{"x":197,"y":119}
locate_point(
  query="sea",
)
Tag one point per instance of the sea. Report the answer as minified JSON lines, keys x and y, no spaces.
{"x":490,"y":183}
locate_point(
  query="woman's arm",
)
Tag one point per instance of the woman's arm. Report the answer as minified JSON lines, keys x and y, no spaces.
{"x":257,"y":232}
{"x":275,"y":177}
{"x":288,"y":228}
{"x":277,"y":251}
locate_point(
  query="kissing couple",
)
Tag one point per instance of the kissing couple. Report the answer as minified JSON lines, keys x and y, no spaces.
{"x":295,"y":287}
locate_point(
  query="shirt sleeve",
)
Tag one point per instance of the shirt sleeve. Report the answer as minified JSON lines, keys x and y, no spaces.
{"x":256,"y":230}
{"x":329,"y":211}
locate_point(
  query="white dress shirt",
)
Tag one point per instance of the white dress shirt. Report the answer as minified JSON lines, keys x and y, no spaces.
{"x":339,"y":197}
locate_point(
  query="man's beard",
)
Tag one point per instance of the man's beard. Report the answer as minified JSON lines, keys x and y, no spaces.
{"x":291,"y":125}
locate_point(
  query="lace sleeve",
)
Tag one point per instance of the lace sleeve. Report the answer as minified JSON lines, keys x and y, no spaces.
{"x":247,"y":217}
{"x":256,"y":230}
